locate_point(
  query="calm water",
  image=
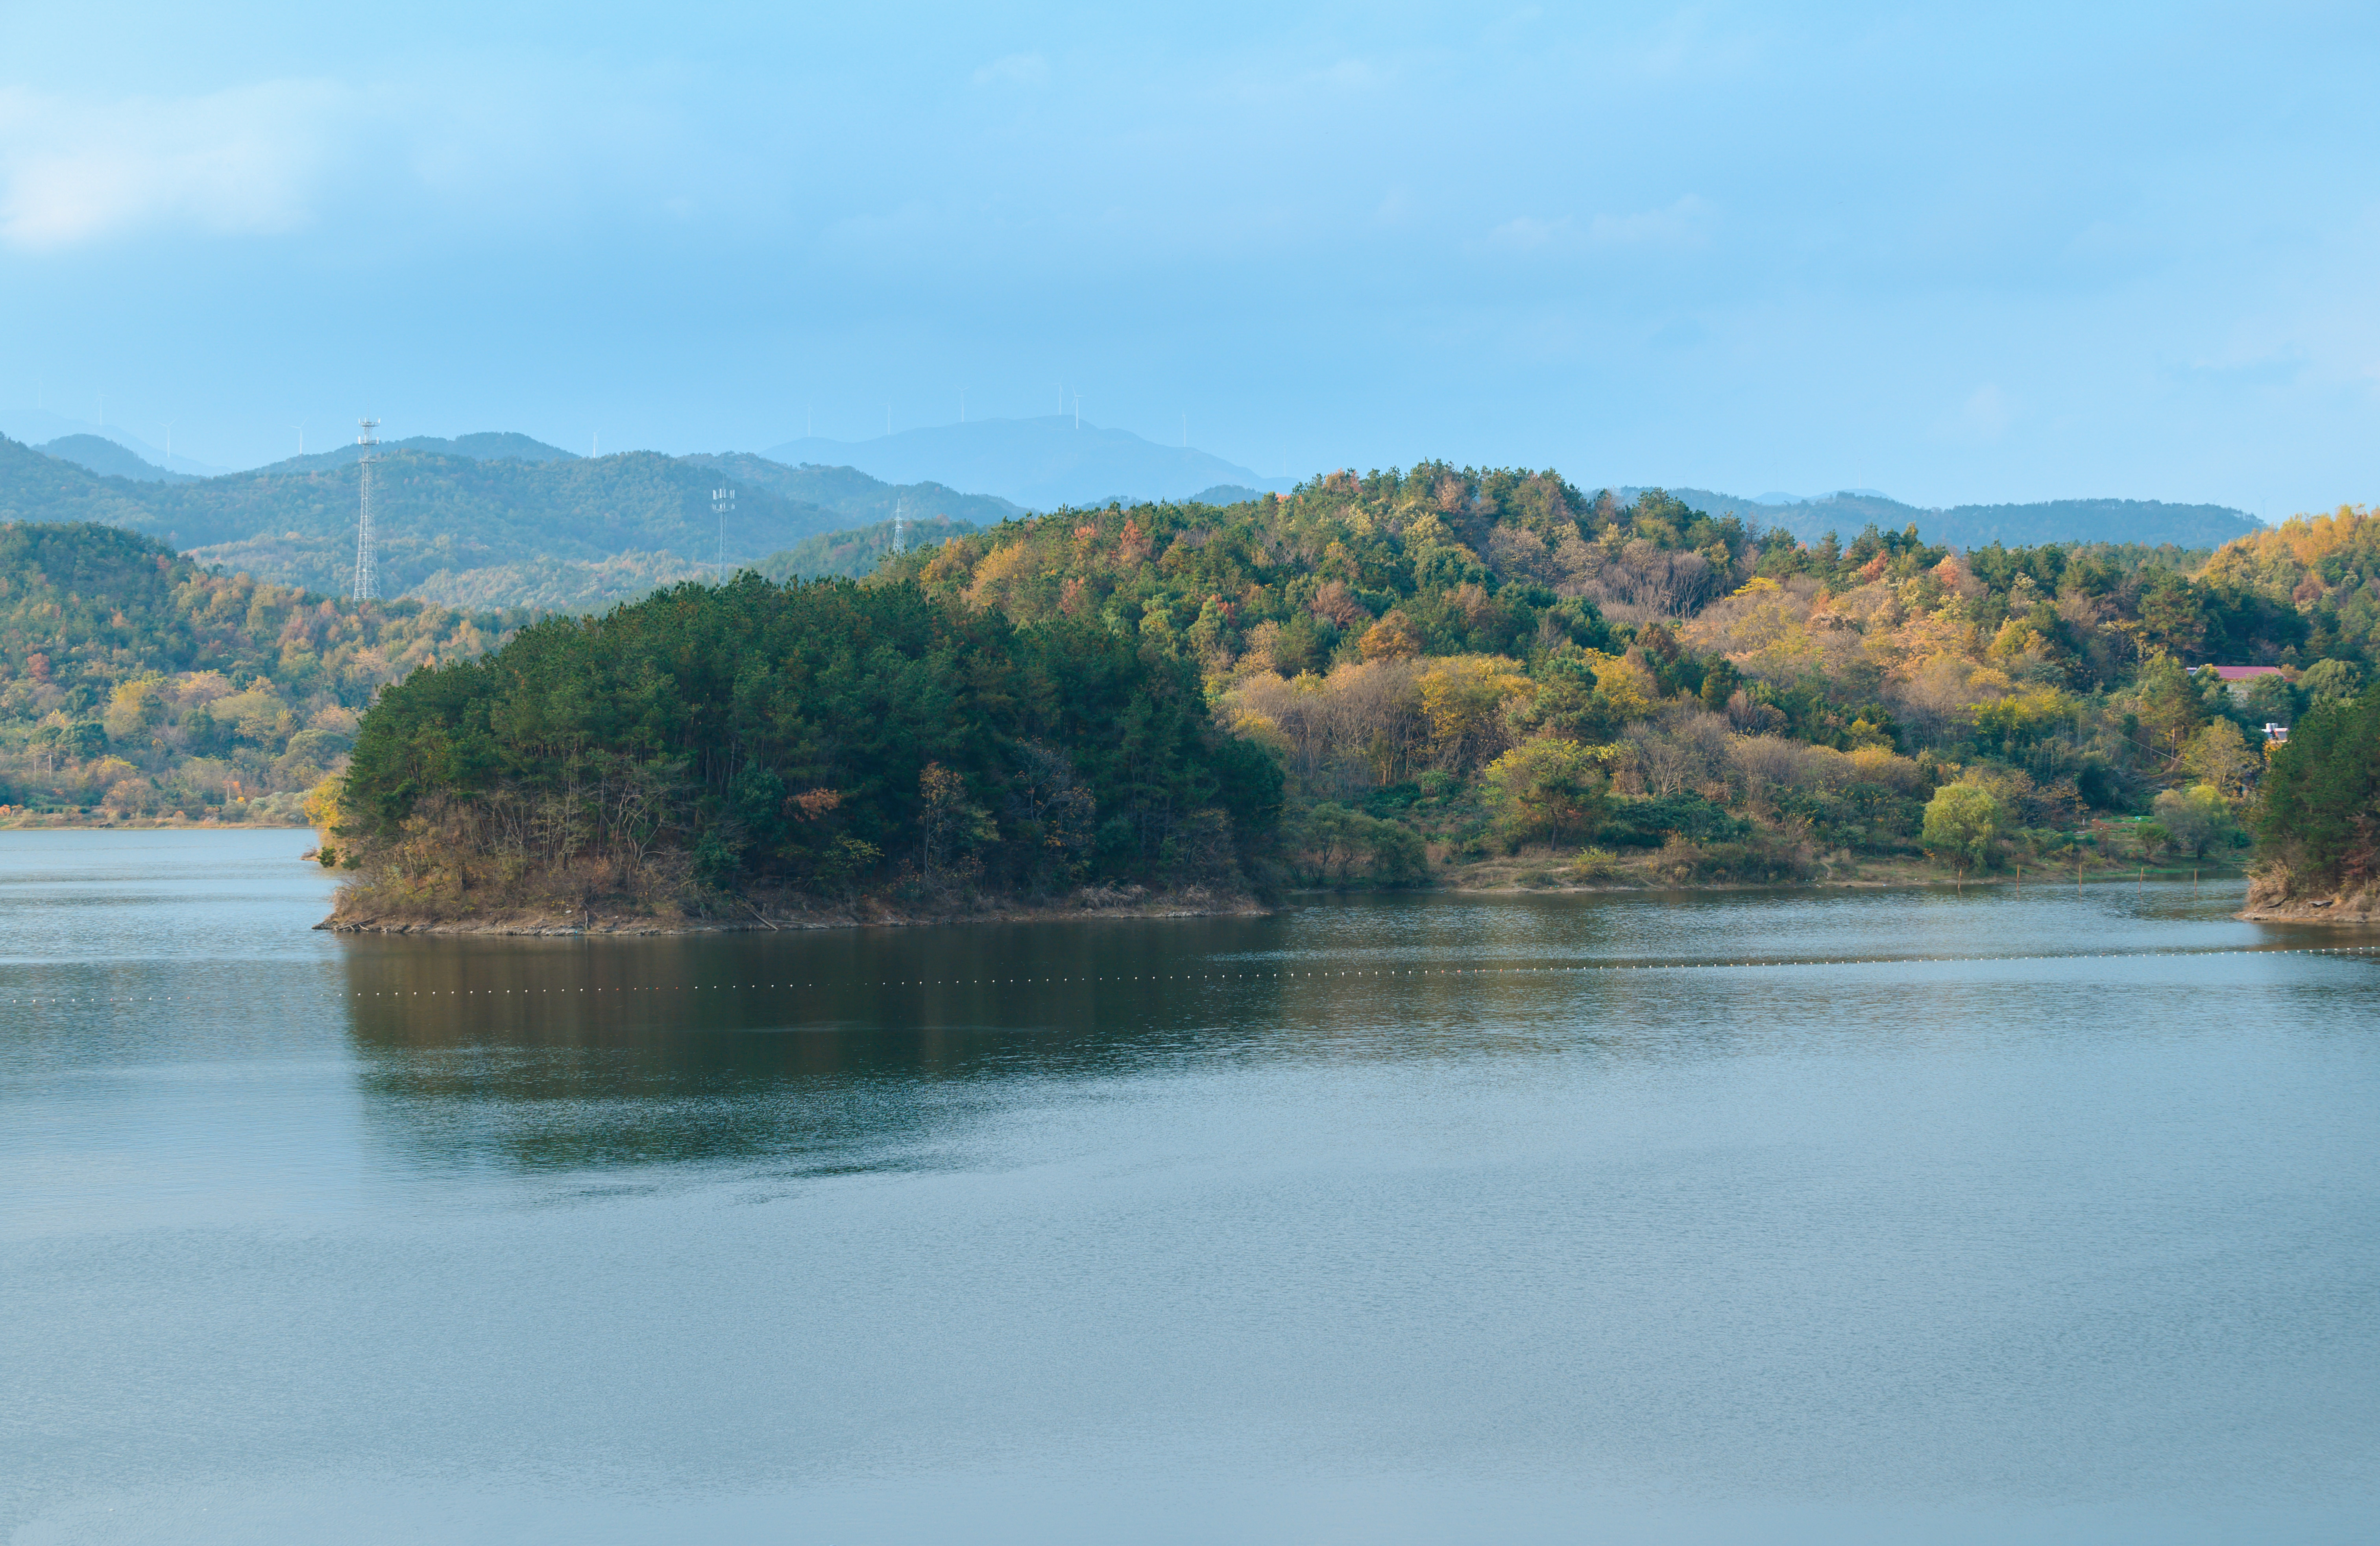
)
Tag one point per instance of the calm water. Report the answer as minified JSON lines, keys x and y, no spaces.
{"x":1409,"y":1219}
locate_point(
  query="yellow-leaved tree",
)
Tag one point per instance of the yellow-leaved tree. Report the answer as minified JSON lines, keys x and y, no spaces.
{"x":1550,"y":788}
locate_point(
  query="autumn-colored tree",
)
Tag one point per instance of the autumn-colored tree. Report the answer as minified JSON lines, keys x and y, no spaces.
{"x":1390,"y":639}
{"x":948,"y":820}
{"x":1550,"y":788}
{"x":2218,"y":756}
{"x":1962,"y":819}
{"x":1465,"y":700}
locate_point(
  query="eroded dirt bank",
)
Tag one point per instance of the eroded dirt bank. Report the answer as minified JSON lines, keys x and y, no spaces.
{"x":2273,"y":900}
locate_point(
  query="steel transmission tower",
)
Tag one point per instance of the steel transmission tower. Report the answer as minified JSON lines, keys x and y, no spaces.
{"x":721,"y":502}
{"x":367,"y":563}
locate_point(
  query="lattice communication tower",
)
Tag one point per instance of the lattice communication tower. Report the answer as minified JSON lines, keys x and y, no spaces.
{"x":367,"y":563}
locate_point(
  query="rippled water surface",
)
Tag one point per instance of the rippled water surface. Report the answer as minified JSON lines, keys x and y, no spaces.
{"x":2050,"y":1215}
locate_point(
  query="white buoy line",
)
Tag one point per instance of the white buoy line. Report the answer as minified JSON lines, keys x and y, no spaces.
{"x":1382,"y":974}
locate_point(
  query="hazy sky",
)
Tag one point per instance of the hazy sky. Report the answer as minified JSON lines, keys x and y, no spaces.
{"x":1956,"y":253}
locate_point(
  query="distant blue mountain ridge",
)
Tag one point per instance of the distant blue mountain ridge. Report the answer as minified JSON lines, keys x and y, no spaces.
{"x":110,"y":460}
{"x":1038,"y":463}
{"x":486,"y":447}
{"x":1046,"y":462}
{"x":986,"y":470}
{"x":40,"y":426}
{"x":2150,"y":522}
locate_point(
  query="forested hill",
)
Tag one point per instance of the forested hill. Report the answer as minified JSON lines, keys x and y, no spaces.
{"x":133,"y":680}
{"x":855,"y":554}
{"x":485,"y":446}
{"x":482,"y":520}
{"x":853,"y":494}
{"x":722,"y":750}
{"x":1450,"y":668}
{"x":1440,"y":561}
{"x":441,"y":513}
{"x":36,"y":487}
{"x":98,"y":453}
{"x":1441,"y":653}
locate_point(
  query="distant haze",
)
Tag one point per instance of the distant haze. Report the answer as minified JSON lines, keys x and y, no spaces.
{"x":1038,"y":463}
{"x":1974,"y":525}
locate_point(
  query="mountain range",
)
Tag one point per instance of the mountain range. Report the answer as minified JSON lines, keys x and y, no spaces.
{"x":1038,"y":463}
{"x":104,"y":456}
{"x":483,"y":521}
{"x":38,"y":426}
{"x":501,"y":519}
{"x":1974,"y":525}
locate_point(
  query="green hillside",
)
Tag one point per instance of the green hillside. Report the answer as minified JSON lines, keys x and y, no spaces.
{"x":437,"y":513}
{"x":97,"y":454}
{"x":563,"y":526}
{"x":854,"y":495}
{"x":482,"y":520}
{"x":563,"y":584}
{"x":1489,"y":665}
{"x":855,"y":554}
{"x":485,"y":446}
{"x":36,"y":487}
{"x":133,"y":681}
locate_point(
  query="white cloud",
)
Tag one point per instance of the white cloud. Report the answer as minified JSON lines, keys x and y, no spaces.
{"x":1015,"y":69}
{"x":246,"y":159}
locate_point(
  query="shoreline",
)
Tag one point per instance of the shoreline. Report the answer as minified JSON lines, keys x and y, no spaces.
{"x":1551,"y":874}
{"x":549,"y":922}
{"x":529,"y":922}
{"x":2343,"y":909}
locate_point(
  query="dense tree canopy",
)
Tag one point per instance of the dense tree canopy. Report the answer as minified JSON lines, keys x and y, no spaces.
{"x":1480,"y":660}
{"x":2321,"y":815}
{"x":818,"y":736}
{"x":1385,"y":630}
{"x":132,"y":676}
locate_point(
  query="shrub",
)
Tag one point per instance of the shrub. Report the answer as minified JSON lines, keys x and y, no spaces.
{"x":1647,"y":822}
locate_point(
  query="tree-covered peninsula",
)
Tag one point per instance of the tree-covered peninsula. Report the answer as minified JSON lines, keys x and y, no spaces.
{"x":2318,"y":834}
{"x":757,"y":750}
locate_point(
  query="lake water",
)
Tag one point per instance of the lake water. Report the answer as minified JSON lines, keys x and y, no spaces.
{"x":2050,"y":1215}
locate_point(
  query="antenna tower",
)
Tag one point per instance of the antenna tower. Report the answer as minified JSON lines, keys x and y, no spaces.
{"x":900,"y":522}
{"x":367,"y":563}
{"x":722,"y":501}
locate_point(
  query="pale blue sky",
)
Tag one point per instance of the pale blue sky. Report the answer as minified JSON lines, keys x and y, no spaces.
{"x":1957,"y":253}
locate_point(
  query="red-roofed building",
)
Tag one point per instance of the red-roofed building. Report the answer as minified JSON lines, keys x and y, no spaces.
{"x":2240,"y":680}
